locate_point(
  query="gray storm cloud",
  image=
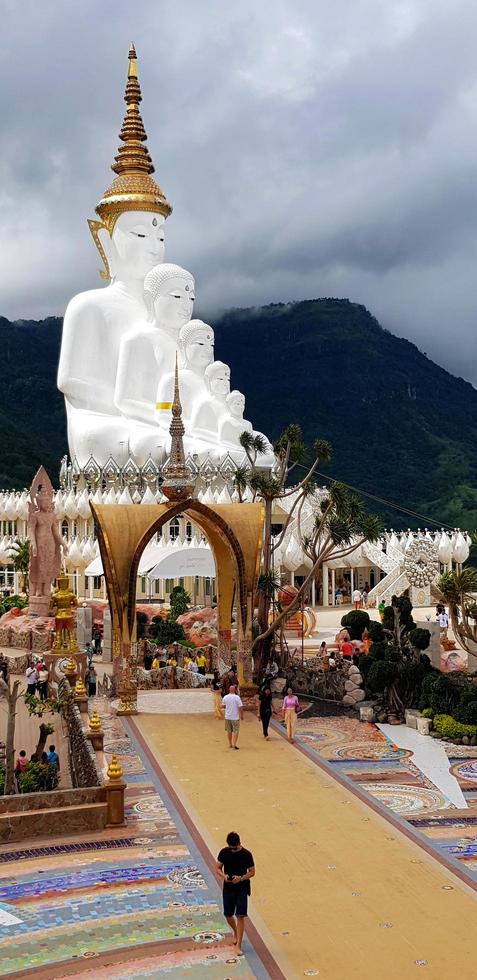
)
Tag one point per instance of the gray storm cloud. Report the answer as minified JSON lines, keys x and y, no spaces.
{"x":308,"y":149}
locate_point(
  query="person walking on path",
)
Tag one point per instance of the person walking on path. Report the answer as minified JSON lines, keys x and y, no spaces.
{"x":43,"y":678}
{"x":228,"y":680}
{"x":357,"y":598}
{"x":233,"y":716}
{"x":31,"y":678}
{"x":381,"y":608}
{"x":235,"y":866}
{"x":92,"y":680}
{"x":290,"y":710}
{"x":217,"y":695}
{"x":265,"y":709}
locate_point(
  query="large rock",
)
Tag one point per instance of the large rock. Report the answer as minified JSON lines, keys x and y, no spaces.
{"x":353,"y":697}
{"x":351,"y":686}
{"x":278,"y":685}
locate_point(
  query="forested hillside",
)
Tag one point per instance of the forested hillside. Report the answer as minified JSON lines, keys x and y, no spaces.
{"x":401,"y":427}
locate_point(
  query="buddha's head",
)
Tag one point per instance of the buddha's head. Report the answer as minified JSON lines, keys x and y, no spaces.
{"x":236,"y":404}
{"x":130,"y":232}
{"x":196,"y":345}
{"x":169,"y":293}
{"x":134,"y":246}
{"x":217,"y":378}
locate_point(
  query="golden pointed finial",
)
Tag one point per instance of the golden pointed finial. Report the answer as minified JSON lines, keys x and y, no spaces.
{"x":133,"y":189}
{"x":94,"y":722}
{"x":132,"y":67}
{"x":114,"y":769}
{"x":80,"y":690}
{"x":70,"y":666}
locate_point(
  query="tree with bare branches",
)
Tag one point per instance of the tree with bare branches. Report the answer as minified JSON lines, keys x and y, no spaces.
{"x":340,"y":524}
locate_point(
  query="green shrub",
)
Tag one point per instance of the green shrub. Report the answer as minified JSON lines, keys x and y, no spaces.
{"x":166,"y":631}
{"x":427,"y":713}
{"x":466,"y":710}
{"x":381,"y":674}
{"x":445,"y":696}
{"x":375,"y":632}
{"x":37,"y":778}
{"x":448,"y":727}
{"x":420,"y":638}
{"x":179,"y":601}
{"x":356,"y":622}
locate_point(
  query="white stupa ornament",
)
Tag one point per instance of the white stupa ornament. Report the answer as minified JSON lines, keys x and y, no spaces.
{"x":460,"y":551}
{"x":444,"y":549}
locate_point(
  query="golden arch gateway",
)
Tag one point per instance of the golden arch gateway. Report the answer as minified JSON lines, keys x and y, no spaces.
{"x":234,"y":532}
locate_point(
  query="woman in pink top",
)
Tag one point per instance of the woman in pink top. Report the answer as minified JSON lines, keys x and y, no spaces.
{"x":290,"y":709}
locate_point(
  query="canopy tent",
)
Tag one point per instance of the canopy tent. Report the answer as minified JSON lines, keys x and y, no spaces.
{"x":174,"y":559}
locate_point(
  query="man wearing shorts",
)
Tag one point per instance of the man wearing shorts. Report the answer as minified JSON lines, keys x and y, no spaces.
{"x":233,"y":708}
{"x":235,"y":866}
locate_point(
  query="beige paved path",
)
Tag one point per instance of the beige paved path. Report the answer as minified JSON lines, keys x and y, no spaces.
{"x":338,"y":889}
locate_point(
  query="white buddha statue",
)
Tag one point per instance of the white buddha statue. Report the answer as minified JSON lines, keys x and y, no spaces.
{"x":130,"y":239}
{"x":148,"y":350}
{"x":147,"y":355}
{"x":212,"y":408}
{"x":233,"y":425}
{"x":196,"y":352}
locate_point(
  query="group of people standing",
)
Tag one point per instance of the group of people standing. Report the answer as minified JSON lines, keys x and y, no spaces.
{"x":37,"y":677}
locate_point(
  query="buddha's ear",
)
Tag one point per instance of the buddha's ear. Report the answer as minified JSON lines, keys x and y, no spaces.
{"x":103,"y":242}
{"x":149,"y":301}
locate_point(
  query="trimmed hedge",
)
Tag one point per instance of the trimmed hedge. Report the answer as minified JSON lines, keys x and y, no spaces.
{"x":448,"y":727}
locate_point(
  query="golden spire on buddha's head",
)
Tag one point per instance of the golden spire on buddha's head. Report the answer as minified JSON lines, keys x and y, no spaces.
{"x":133,"y":189}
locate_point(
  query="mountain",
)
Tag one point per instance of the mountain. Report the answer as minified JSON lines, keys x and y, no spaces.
{"x":402,"y":428}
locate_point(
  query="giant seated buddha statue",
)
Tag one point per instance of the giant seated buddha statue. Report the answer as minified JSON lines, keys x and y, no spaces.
{"x":196,"y":352}
{"x":130,"y":238}
{"x":147,"y":354}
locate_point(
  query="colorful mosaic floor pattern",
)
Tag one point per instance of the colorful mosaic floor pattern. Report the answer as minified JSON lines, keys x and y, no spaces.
{"x":386,"y":772}
{"x":136,"y":901}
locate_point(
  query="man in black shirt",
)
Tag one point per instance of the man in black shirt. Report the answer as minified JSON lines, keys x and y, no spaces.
{"x":235,"y":867}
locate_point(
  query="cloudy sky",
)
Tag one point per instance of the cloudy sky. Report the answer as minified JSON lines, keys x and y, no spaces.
{"x":309,"y":148}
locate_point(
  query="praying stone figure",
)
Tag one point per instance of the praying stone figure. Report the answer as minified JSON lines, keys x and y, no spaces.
{"x":45,"y":543}
{"x":130,"y":239}
{"x":147,"y":354}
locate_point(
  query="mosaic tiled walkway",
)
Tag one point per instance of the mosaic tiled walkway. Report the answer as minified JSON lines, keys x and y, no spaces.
{"x":344,"y":892}
{"x":387,"y":773}
{"x":131,"y":902}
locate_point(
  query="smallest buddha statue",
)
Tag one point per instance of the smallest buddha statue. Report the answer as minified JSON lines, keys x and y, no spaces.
{"x":64,"y":603}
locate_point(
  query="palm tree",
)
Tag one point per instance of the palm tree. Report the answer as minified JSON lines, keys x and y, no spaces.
{"x":20,"y":553}
{"x":459,"y":591}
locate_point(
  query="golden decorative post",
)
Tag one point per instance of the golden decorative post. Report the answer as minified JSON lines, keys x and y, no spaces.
{"x":95,"y":733}
{"x":115,"y":793}
{"x":64,"y":603}
{"x":71,"y":671}
{"x":81,"y":697}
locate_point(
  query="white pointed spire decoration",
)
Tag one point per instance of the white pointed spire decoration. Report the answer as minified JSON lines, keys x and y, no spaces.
{"x":224,"y":496}
{"x":148,"y":497}
{"x":125,"y":497}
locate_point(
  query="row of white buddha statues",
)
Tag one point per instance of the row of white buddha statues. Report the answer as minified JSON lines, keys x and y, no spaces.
{"x":118,"y":358}
{"x":119,"y":343}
